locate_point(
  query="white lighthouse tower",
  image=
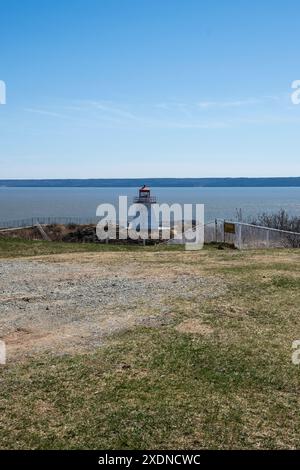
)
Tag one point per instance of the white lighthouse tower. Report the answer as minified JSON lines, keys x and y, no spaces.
{"x":148,"y":220}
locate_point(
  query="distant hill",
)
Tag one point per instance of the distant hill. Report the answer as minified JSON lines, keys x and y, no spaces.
{"x":154,"y":182}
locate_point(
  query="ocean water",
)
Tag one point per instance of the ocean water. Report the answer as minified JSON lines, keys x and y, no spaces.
{"x":21,"y":203}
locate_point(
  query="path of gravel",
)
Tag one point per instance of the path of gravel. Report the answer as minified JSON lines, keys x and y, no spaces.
{"x":67,"y":306}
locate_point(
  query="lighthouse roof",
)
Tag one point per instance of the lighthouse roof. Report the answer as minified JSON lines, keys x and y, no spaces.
{"x":144,"y":188}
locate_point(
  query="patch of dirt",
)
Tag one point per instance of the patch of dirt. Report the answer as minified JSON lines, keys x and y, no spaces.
{"x":194,"y":326}
{"x":229,"y":310}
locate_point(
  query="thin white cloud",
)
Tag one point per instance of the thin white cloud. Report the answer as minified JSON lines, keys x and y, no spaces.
{"x":169,"y":115}
{"x":113,"y":109}
{"x":228,"y":104}
{"x":45,"y":112}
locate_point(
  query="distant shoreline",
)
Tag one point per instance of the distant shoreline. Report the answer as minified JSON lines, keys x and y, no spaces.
{"x":153,"y":182}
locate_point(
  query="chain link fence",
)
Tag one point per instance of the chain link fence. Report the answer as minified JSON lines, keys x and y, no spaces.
{"x":238,"y":234}
{"x":247,"y":236}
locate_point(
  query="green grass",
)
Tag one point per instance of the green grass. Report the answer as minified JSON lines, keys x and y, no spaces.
{"x":15,"y":247}
{"x":176,"y":391}
{"x":156,"y":388}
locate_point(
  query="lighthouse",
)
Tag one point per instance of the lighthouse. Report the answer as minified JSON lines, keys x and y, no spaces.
{"x":147,"y":200}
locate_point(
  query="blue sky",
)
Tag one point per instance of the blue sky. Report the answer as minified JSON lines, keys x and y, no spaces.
{"x":136,"y":88}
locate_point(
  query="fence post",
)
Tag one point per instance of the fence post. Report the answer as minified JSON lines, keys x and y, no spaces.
{"x":239,"y":236}
{"x":268,"y":239}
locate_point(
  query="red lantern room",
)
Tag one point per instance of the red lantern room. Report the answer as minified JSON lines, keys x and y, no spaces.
{"x":144,"y":192}
{"x":144,"y":196}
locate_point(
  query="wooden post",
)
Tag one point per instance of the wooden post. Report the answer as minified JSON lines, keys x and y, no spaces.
{"x":268,"y":238}
{"x":239,"y":236}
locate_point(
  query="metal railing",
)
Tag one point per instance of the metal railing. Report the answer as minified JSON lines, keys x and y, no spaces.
{"x":144,"y":200}
{"x":244,"y":236}
{"x":250,"y":236}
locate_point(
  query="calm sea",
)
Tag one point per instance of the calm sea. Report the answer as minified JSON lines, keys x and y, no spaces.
{"x":21,"y":203}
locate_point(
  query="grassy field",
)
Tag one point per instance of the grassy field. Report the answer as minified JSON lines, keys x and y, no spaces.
{"x":219,"y":376}
{"x":13,"y":247}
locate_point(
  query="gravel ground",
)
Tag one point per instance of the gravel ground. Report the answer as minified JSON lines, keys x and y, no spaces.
{"x":62,"y":305}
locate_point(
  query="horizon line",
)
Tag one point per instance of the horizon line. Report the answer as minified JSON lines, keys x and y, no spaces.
{"x":152,"y":178}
